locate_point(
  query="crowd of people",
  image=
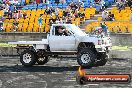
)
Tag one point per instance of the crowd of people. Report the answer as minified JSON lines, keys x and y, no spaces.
{"x":71,"y":12}
{"x":10,"y":11}
{"x":121,"y":4}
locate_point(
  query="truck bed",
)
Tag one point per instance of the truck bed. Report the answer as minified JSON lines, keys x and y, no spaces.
{"x":44,"y":41}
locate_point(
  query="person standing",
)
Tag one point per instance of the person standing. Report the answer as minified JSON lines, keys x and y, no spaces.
{"x":104,"y":28}
{"x":104,"y":15}
{"x":1,"y":27}
{"x":40,"y":19}
{"x":102,"y":2}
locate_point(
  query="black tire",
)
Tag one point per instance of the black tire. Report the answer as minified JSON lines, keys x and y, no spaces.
{"x":28,"y":55}
{"x":102,"y":59}
{"x":86,"y":57}
{"x":43,"y":60}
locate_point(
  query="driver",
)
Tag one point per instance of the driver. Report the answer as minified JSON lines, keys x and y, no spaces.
{"x":62,"y":31}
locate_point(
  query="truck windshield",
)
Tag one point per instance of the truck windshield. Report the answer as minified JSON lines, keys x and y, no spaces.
{"x":76,"y":30}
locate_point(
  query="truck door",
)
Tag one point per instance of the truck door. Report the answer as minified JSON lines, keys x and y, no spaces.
{"x":61,"y":39}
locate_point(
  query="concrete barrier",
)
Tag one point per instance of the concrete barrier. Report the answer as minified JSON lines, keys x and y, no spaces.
{"x":121,"y":39}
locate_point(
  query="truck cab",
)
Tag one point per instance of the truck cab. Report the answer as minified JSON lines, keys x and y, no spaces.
{"x":67,"y":37}
{"x":61,"y":38}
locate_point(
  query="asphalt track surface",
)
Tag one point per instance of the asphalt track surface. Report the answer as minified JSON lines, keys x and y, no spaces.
{"x":60,"y":73}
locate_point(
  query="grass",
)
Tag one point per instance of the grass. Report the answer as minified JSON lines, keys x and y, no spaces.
{"x":125,"y":48}
{"x":6,"y":45}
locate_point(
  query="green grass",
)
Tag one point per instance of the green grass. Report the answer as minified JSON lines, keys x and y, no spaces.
{"x":122,"y":48}
{"x":6,"y":45}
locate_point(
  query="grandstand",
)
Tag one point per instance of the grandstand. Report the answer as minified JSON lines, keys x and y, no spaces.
{"x":89,"y":8}
{"x":121,"y":24}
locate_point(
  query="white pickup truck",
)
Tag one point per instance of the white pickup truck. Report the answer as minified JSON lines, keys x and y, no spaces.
{"x":67,"y":39}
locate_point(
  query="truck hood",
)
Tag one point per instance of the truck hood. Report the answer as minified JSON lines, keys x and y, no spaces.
{"x":89,"y":38}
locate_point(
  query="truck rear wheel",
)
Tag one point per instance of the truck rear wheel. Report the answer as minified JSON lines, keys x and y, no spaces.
{"x":42,"y":60}
{"x":27,"y":58}
{"x":86,"y":57}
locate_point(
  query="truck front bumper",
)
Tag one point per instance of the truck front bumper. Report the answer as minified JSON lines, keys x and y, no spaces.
{"x":103,"y":48}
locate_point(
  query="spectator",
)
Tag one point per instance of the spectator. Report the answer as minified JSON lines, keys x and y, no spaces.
{"x":68,"y":20}
{"x":46,"y":1}
{"x":19,"y":15}
{"x":102,"y":2}
{"x":65,"y":13}
{"x":10,"y":14}
{"x":15,"y":25}
{"x":80,"y":4}
{"x":7,"y":6}
{"x":15,"y":15}
{"x":1,"y":27}
{"x":129,"y":2}
{"x":2,"y":6}
{"x":52,"y":10}
{"x":104,"y":15}
{"x":111,"y":17}
{"x":73,"y":6}
{"x":15,"y":8}
{"x":120,"y":5}
{"x":40,"y":19}
{"x":1,"y":18}
{"x":58,"y":20}
{"x":62,"y":1}
{"x":25,"y":15}
{"x":82,"y":16}
{"x":47,"y":11}
{"x":76,"y":14}
{"x":5,"y":12}
{"x":11,"y":8}
{"x":57,"y":2}
{"x":57,"y":11}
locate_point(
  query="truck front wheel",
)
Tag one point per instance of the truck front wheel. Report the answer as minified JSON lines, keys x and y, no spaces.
{"x":86,"y":57}
{"x":27,"y":58}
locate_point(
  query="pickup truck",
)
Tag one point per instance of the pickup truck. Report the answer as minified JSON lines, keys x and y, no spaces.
{"x":67,"y":39}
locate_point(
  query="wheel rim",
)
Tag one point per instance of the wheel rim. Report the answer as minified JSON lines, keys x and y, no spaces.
{"x":27,"y":58}
{"x":85,"y":58}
